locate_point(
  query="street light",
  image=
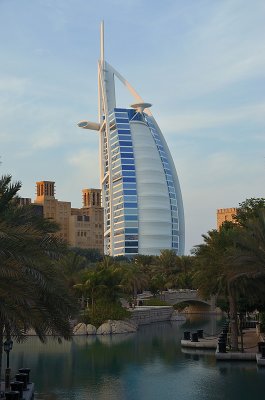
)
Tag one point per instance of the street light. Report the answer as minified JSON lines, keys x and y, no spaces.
{"x":8,"y":345}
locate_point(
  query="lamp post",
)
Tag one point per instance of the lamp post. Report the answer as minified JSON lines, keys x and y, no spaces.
{"x":8,"y":345}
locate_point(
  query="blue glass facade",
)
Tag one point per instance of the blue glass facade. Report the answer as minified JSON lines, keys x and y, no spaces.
{"x":124,"y":188}
{"x":125,"y":213}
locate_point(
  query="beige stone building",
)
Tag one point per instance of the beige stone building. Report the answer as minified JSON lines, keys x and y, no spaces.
{"x":79,"y":227}
{"x":225,"y":214}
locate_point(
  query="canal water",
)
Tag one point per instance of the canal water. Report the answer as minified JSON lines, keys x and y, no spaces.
{"x":147,"y":365}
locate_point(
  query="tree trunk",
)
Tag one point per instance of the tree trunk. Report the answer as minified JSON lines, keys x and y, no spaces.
{"x":233,"y":317}
{"x":1,"y":346}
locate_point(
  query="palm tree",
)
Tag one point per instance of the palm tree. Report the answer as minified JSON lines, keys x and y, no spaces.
{"x":32,"y":292}
{"x":134,"y":279}
{"x":214,"y":274}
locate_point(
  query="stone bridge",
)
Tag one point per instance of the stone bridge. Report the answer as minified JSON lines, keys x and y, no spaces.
{"x":188,"y":296}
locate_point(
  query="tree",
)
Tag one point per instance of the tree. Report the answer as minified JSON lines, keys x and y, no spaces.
{"x":32,"y":292}
{"x":214,"y":275}
{"x":231,"y":262}
{"x":133,"y":279}
{"x":249,"y":209}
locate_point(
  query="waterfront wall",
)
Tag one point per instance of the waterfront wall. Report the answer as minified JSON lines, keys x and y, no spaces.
{"x":146,"y":315}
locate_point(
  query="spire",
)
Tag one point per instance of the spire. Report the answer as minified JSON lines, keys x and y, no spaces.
{"x":102,"y":42}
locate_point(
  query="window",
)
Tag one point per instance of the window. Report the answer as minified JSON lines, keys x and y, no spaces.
{"x":128,"y":167}
{"x":131,"y":250}
{"x":130,"y":198}
{"x":121,"y":120}
{"x":131,"y":244}
{"x":130,"y":192}
{"x":129,"y":185}
{"x":128,"y":173}
{"x":121,"y":115}
{"x":127,"y":155}
{"x":125,"y":143}
{"x":126,"y":149}
{"x":130,"y":205}
{"x":125,"y":137}
{"x":131,"y":230}
{"x":124,"y":126}
{"x":131,"y":217}
{"x":129,"y":180}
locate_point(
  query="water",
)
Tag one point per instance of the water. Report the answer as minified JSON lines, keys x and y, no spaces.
{"x":148,"y":365}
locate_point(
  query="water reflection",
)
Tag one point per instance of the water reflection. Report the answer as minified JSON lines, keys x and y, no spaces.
{"x":147,"y":365}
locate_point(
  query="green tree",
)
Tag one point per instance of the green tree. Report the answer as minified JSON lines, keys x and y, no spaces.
{"x":249,"y":209}
{"x":32,"y":292}
{"x":134,"y":279}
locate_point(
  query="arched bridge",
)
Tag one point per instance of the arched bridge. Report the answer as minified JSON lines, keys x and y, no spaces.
{"x":186,"y":295}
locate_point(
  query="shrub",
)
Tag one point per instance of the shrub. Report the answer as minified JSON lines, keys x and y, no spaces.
{"x":102,"y":312}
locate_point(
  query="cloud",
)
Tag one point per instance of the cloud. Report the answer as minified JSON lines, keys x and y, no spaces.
{"x":199,"y":119}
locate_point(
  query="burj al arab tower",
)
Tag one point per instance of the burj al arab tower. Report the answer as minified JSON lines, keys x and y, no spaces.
{"x":141,"y":196}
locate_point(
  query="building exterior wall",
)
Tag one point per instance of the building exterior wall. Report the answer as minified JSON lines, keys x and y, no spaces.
{"x":141,"y":199}
{"x":79,"y":227}
{"x":141,"y":196}
{"x":225,"y":214}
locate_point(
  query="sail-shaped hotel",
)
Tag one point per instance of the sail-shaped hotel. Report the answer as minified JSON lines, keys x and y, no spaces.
{"x":141,"y":196}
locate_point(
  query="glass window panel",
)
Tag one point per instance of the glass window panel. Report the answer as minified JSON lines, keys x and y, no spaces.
{"x":119,"y":109}
{"x":129,"y":185}
{"x":131,"y":250}
{"x":125,"y":137}
{"x":129,"y":179}
{"x":131,"y":237}
{"x":130,"y":192}
{"x":124,"y":131}
{"x":126,"y":150}
{"x":131,"y":224}
{"x":128,"y":173}
{"x":131,"y":244}
{"x":130,"y":211}
{"x":131,"y":217}
{"x":131,"y":230}
{"x":130,"y":205}
{"x":128,"y":167}
{"x":120,"y":120}
{"x":127,"y":155}
{"x":130,"y":198}
{"x":127,"y":161}
{"x":124,"y":126}
{"x":125,"y":143}
{"x":121,"y":114}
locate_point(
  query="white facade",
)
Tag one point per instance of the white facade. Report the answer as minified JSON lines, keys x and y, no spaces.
{"x":140,"y":188}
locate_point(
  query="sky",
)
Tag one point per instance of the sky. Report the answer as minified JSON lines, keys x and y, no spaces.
{"x":201,"y":63}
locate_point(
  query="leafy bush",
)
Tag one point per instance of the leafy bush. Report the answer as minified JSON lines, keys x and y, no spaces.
{"x":102,"y":312}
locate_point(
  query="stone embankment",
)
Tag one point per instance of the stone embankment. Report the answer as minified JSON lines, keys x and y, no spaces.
{"x":109,"y":327}
{"x":139,"y":316}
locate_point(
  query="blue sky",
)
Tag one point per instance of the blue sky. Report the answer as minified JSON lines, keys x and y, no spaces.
{"x":201,"y":63}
